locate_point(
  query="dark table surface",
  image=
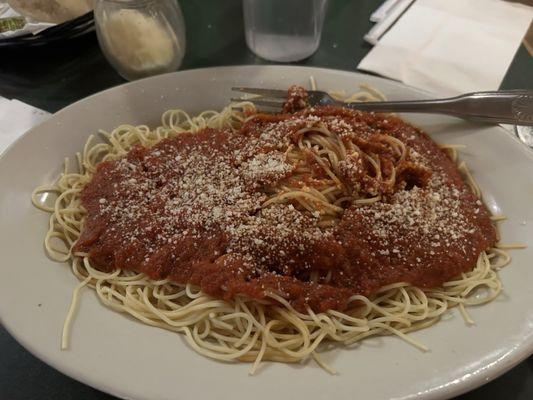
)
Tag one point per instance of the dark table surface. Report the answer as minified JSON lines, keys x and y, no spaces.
{"x":55,"y":76}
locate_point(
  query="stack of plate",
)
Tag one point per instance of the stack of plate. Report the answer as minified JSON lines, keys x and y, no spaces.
{"x":67,"y":30}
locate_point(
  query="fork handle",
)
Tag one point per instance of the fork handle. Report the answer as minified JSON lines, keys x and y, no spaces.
{"x":506,"y":106}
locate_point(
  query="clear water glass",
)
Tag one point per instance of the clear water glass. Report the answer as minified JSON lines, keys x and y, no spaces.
{"x":283,"y":30}
{"x":141,"y":37}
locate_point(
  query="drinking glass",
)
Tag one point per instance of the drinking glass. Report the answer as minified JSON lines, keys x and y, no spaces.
{"x":283,"y":30}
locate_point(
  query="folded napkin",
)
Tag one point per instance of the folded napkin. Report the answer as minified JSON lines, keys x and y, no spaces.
{"x":451,"y":46}
{"x":15,"y":119}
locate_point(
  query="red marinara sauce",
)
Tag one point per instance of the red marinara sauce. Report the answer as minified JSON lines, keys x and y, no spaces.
{"x":190,"y":209}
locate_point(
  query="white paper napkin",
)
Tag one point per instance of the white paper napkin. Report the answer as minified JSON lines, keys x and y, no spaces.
{"x":15,"y":119}
{"x":451,"y":46}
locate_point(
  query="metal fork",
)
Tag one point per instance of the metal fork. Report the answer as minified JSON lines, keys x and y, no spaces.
{"x":503,"y":106}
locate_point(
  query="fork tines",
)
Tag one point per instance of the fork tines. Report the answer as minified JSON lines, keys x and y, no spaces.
{"x":258,"y":101}
{"x":265,"y":97}
{"x":276,"y":93}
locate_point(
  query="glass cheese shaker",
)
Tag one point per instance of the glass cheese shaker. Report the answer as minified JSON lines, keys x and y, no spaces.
{"x":141,"y":37}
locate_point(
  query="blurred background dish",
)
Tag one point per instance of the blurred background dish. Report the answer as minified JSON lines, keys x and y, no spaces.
{"x":54,"y":11}
{"x":525,"y":134}
{"x":73,"y":29}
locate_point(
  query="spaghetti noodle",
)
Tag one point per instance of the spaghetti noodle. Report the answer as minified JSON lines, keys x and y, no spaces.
{"x":269,"y":328}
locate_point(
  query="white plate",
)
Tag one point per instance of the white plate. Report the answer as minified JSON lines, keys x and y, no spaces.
{"x":128,"y":359}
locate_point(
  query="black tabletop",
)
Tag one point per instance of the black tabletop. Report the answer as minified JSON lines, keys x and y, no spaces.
{"x":55,"y":76}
